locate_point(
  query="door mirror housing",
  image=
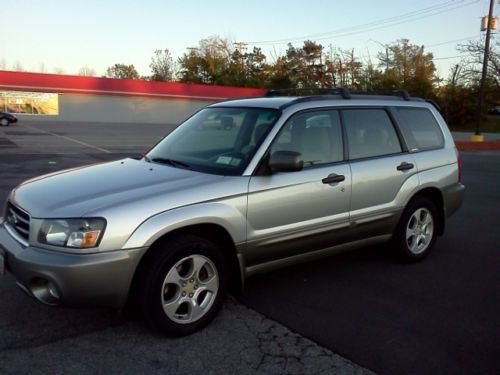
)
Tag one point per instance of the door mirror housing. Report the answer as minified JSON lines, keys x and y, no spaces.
{"x":286,"y":161}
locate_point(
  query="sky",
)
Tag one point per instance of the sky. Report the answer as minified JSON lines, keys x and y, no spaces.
{"x":50,"y":35}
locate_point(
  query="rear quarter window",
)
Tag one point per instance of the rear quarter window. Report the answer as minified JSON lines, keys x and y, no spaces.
{"x":420,"y":128}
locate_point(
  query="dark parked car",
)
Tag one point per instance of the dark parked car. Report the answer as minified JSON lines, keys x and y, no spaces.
{"x":7,"y":118}
{"x":494,"y":111}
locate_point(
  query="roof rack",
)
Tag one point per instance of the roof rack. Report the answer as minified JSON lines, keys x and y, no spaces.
{"x":309,"y":91}
{"x":343,"y":92}
{"x":401,"y":93}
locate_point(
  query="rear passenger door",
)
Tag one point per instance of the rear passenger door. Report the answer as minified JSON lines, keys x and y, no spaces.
{"x":380,"y":168}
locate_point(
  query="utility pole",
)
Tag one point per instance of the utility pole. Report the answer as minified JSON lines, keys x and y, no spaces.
{"x":405,"y":65}
{"x":241,"y":46}
{"x":477,"y":136}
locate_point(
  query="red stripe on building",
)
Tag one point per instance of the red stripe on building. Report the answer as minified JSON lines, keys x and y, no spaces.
{"x":58,"y":83}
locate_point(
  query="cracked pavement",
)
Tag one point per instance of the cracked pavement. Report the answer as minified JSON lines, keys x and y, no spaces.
{"x":38,"y":339}
{"x":43,"y":340}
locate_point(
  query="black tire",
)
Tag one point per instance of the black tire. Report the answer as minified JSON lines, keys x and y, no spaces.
{"x":4,"y":122}
{"x":191,"y":293}
{"x":416,"y":232}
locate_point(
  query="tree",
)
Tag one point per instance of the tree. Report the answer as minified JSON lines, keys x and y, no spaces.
{"x":409,"y":67}
{"x":162,"y":65}
{"x":18,"y":67}
{"x":86,"y":71}
{"x":206,"y":63}
{"x":305,"y":64}
{"x":256,"y":68}
{"x":458,"y":102}
{"x":279,"y":75}
{"x":459,"y":97}
{"x":218,"y":61}
{"x":122,"y":71}
{"x":471,"y":65}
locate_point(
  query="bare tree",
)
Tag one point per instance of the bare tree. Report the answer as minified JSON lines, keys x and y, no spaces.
{"x":18,"y":67}
{"x":86,"y":71}
{"x":162,"y":65}
{"x":471,"y":65}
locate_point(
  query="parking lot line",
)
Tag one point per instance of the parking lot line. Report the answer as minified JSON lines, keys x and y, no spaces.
{"x":68,"y":139}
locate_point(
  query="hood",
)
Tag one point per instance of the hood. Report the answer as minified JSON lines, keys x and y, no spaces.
{"x":92,"y":189}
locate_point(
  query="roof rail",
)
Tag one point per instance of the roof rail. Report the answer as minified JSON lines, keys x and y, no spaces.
{"x":309,"y":91}
{"x":434,"y":104}
{"x":401,"y":93}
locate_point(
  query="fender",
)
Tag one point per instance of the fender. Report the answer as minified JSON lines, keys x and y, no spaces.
{"x":229,"y":215}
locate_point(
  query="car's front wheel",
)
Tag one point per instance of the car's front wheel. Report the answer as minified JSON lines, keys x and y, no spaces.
{"x":417,"y":229}
{"x":4,"y":122}
{"x":184,"y":286}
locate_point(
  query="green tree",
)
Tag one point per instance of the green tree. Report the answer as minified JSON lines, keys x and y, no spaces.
{"x":257,"y":69}
{"x":206,"y":63}
{"x":162,"y":65}
{"x":407,"y":66}
{"x":305,"y":64}
{"x":122,"y":71}
{"x":219,"y":61}
{"x":279,"y":75}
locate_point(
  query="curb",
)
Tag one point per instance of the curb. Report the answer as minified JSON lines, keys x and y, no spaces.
{"x":470,"y":145}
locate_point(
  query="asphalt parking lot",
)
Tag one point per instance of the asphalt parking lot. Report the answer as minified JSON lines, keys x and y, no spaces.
{"x":438,"y":316}
{"x":37,"y":339}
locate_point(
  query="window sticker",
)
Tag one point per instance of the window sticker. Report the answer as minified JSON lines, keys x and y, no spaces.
{"x":226,"y":160}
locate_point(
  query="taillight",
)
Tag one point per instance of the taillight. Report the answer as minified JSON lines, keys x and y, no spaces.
{"x":459,"y":161}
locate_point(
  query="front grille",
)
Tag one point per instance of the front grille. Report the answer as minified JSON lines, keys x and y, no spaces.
{"x":18,"y":220}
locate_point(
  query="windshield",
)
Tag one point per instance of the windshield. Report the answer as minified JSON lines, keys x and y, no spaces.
{"x":216,"y":140}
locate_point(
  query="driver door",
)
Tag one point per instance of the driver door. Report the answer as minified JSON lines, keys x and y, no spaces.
{"x":290,"y":213}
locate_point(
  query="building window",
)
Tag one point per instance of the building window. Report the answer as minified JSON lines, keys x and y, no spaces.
{"x":32,"y":103}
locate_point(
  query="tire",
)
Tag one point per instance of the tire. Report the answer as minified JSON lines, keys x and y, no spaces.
{"x":4,"y":122}
{"x":417,"y":230}
{"x":183,"y":286}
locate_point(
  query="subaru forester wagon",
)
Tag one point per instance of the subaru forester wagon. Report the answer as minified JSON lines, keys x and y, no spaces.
{"x":242,"y":186}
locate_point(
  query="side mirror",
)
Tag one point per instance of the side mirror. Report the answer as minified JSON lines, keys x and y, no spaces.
{"x":286,"y":161}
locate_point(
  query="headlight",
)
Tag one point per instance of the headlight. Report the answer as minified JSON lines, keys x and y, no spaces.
{"x":79,"y":233}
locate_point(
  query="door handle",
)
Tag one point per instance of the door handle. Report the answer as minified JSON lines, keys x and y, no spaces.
{"x":333,"y":178}
{"x":404,"y":166}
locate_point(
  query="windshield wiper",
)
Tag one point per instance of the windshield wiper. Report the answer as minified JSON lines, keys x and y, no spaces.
{"x":171,"y":162}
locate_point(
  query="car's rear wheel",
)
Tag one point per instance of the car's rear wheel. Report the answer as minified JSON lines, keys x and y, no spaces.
{"x":4,"y":122}
{"x":416,"y":232}
{"x":184,"y":286}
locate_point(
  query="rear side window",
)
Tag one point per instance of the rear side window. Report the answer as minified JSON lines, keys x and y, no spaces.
{"x":370,"y":133}
{"x":420,"y":128}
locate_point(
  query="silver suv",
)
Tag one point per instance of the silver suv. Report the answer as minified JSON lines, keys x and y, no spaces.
{"x":241,"y":187}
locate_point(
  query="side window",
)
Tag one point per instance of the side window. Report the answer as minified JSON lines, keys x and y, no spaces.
{"x":317,"y":135}
{"x":420,"y":128}
{"x":370,"y":133}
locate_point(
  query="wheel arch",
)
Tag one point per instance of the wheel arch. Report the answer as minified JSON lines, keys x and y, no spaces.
{"x":436,"y":197}
{"x":212,"y":232}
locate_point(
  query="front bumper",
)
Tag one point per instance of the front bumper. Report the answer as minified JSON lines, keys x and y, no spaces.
{"x":57,"y":278}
